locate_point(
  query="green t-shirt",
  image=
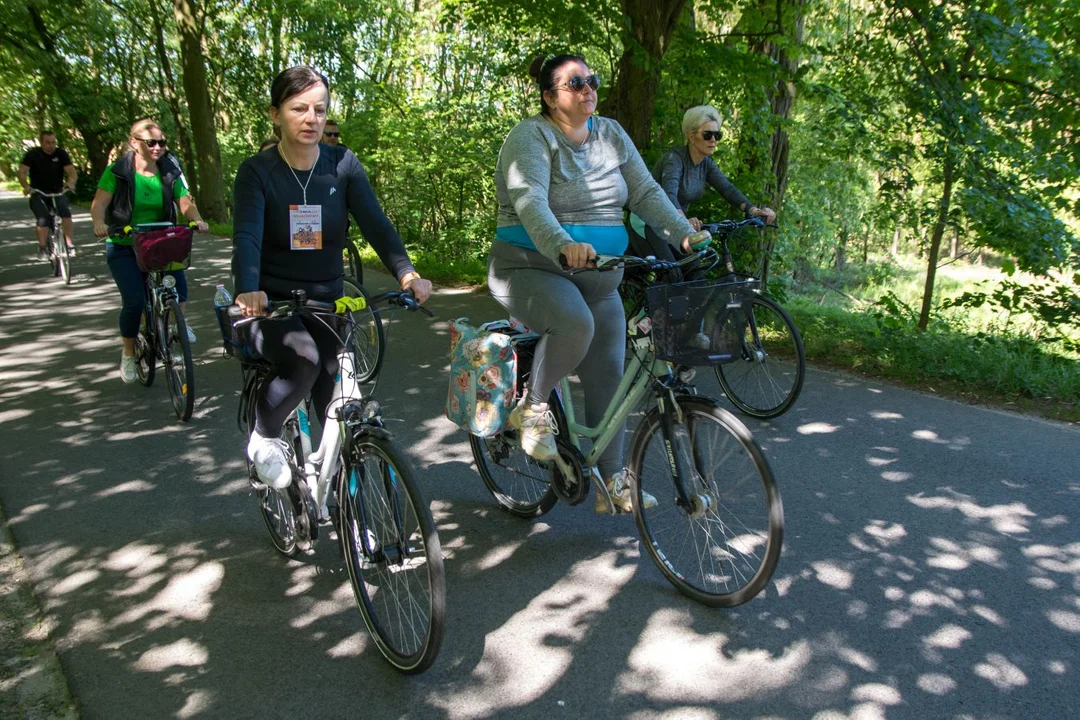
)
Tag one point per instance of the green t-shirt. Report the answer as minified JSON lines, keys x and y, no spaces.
{"x":147,"y":208}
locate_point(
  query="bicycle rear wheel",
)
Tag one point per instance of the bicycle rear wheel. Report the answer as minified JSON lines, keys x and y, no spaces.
{"x":179,"y":367}
{"x":768,"y":377}
{"x":393,"y":553}
{"x":520,"y":484}
{"x":146,"y":347}
{"x":369,"y":337}
{"x":723,"y":550}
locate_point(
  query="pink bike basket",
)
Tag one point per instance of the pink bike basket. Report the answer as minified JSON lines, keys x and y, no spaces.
{"x":158,"y":249}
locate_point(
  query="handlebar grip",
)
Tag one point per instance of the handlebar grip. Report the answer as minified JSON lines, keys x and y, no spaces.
{"x":591,"y":262}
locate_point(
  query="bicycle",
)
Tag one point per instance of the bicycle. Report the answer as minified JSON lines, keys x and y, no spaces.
{"x":369,"y":340}
{"x":752,"y":380}
{"x":754,"y":383}
{"x":163,"y":331}
{"x":369,"y":491}
{"x":59,"y":254}
{"x":698,"y":460}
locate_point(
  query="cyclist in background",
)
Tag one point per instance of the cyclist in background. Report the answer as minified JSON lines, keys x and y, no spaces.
{"x":684,"y":172}
{"x":291,"y":206}
{"x":144,"y":186}
{"x":44,"y":168}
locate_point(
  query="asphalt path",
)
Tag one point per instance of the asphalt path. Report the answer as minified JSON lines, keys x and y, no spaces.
{"x":931,"y":563}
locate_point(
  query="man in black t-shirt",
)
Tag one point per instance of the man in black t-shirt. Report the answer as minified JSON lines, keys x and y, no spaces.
{"x":44,"y":168}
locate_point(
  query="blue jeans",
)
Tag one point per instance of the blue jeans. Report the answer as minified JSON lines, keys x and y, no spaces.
{"x":131,"y":282}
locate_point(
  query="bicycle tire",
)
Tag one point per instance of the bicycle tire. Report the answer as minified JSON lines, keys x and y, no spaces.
{"x":145,"y":348}
{"x":369,"y":336}
{"x":62,"y":258}
{"x":735,"y":471}
{"x":755,"y":385}
{"x":380,"y":501}
{"x":276,"y":507}
{"x":526,"y":490}
{"x":178,"y":363}
{"x":354,"y":268}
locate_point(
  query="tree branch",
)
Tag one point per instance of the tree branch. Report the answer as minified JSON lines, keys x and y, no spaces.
{"x":1014,"y":82}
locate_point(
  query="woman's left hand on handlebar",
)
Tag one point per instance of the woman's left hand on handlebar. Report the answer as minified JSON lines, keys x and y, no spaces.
{"x":768,"y":213}
{"x":420,"y":287}
{"x":201,"y":226}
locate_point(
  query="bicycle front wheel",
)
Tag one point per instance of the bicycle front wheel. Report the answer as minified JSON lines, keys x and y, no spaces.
{"x":369,"y":337}
{"x":61,"y":256}
{"x":178,"y":364}
{"x":393,"y":553}
{"x":722,"y":550}
{"x":767,"y":378}
{"x":146,"y":347}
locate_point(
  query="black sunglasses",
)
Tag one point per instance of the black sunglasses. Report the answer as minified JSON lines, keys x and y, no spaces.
{"x":331,"y":134}
{"x":150,"y":142}
{"x":578,"y":83}
{"x":710,"y":135}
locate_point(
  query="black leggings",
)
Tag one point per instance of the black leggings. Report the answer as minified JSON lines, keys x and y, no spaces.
{"x":304,"y":353}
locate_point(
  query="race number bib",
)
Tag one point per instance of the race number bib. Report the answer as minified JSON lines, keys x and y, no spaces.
{"x":305,"y":227}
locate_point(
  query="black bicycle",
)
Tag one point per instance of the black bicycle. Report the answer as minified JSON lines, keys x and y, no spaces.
{"x":163,"y":335}
{"x":361,"y":481}
{"x":59,"y":254}
{"x":767,"y":377}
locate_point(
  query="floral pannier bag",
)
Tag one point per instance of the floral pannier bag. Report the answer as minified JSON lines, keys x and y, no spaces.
{"x":483,"y":377}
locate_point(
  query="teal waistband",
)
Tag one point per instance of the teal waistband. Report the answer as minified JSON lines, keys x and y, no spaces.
{"x":605,"y":239}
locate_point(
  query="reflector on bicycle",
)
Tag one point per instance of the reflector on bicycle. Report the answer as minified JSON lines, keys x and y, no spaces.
{"x":349,"y":304}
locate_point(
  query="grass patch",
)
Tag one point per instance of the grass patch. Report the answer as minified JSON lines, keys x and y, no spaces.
{"x":1010,"y":370}
{"x":439,"y":270}
{"x":222,"y":229}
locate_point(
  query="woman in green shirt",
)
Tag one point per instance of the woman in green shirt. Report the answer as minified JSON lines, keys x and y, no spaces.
{"x":144,"y":186}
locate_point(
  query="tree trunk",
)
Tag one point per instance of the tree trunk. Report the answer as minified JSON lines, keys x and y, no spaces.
{"x":782,"y":100}
{"x":896,"y":242}
{"x":646,"y":36}
{"x":168,"y":91}
{"x":955,"y":250}
{"x":935,"y":238}
{"x":203,"y":130}
{"x":841,"y":250}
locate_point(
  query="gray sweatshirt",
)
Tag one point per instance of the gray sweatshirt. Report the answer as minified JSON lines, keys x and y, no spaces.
{"x":684,"y":182}
{"x":543,"y":179}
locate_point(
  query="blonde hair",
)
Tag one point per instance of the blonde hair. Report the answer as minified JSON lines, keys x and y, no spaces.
{"x":142,"y":126}
{"x":697,"y":116}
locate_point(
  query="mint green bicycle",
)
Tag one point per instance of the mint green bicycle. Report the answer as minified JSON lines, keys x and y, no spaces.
{"x":717,"y":529}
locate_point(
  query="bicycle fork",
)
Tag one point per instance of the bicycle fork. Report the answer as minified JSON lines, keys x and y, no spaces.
{"x":695,"y":503}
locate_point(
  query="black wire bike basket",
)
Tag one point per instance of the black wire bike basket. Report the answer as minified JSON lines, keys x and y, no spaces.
{"x":700,"y":322}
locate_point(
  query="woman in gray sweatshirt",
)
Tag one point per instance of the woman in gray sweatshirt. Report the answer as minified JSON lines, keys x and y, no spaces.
{"x":562,"y":180}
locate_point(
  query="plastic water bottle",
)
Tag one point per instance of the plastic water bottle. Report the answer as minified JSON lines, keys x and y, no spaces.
{"x":222,"y":301}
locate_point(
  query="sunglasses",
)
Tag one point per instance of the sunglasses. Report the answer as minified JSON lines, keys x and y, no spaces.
{"x":710,"y":135}
{"x":578,"y":83}
{"x":331,"y":134}
{"x":150,"y":142}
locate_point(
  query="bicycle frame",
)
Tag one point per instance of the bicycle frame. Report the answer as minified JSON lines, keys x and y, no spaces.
{"x":635,"y":383}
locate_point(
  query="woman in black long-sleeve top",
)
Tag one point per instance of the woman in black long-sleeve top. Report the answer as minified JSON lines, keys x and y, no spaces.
{"x":291,"y":206}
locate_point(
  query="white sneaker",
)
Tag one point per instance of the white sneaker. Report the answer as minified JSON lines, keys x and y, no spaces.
{"x":190,"y":334}
{"x":618,"y":486}
{"x":538,"y":431}
{"x":271,"y":459}
{"x":129,"y":367}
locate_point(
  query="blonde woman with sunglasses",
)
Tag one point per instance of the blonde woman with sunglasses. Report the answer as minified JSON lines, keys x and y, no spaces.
{"x":684,"y":172}
{"x":145,"y":185}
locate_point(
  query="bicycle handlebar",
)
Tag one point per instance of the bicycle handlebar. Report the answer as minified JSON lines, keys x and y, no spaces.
{"x":729,"y":227}
{"x":35,"y":191}
{"x":608,"y":263}
{"x":129,"y":230}
{"x":282,"y":309}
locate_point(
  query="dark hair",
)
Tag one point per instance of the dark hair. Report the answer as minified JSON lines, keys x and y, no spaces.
{"x":294,"y":81}
{"x":331,"y":121}
{"x":543,"y":70}
{"x":268,"y":143}
{"x":43,"y":133}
